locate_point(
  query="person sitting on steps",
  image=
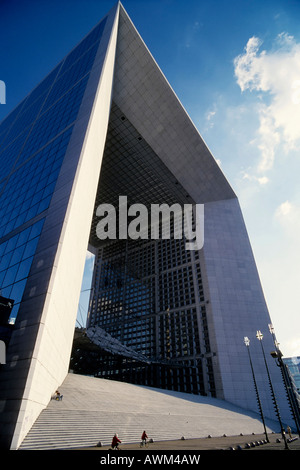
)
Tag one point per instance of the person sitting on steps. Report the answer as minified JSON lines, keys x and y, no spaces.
{"x":58,"y":396}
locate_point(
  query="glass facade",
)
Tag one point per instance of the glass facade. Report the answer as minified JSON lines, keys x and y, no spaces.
{"x":33,"y":142}
{"x":29,"y":188}
{"x":42,"y":158}
{"x":148,"y":294}
{"x":293,"y":364}
{"x":15,"y":263}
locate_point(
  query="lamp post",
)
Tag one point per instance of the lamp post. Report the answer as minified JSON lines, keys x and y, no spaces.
{"x":247,"y":344}
{"x":277,"y":355}
{"x":259,"y":336}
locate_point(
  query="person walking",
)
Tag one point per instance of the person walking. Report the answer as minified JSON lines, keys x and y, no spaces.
{"x":144,"y":438}
{"x":115,"y":442}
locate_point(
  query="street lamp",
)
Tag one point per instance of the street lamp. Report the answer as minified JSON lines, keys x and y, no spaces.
{"x":260,"y":336}
{"x":247,"y":344}
{"x":277,"y":355}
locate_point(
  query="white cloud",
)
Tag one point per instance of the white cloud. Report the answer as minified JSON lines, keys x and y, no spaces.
{"x":270,"y":79}
{"x":246,"y":66}
{"x":275,"y":75}
{"x":210,"y":115}
{"x":262,"y":180}
{"x":284,"y":209}
{"x":209,"y":118}
{"x":288,"y":215}
{"x":268,"y":140}
{"x":293,"y":347}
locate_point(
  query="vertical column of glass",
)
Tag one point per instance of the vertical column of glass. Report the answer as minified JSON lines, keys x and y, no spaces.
{"x":33,"y":142}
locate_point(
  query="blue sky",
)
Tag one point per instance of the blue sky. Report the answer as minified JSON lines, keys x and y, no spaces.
{"x":235,"y":66}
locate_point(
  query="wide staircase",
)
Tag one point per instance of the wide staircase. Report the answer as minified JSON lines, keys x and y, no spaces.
{"x":93,"y":410}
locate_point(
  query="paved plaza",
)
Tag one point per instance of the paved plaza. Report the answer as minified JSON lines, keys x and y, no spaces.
{"x":249,"y":442}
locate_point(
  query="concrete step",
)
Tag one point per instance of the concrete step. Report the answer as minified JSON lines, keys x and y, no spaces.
{"x":93,"y":410}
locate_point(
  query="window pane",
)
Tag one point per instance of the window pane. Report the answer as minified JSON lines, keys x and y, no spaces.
{"x":24,"y":269}
{"x":10,"y":275}
{"x":18,"y":290}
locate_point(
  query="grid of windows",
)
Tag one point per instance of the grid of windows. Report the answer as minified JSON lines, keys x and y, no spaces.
{"x":148,"y":294}
{"x":29,"y":189}
{"x":26,"y":118}
{"x":16,"y":255}
{"x":141,"y":335}
{"x":7,"y":156}
{"x":205,"y":329}
{"x":178,"y":334}
{"x":34,"y":139}
{"x":7,"y":122}
{"x":171,"y":254}
{"x":131,"y":289}
{"x":293,"y":364}
{"x":71,"y":76}
{"x":84,"y":45}
{"x":123,"y":304}
{"x":42,"y":87}
{"x":23,"y":116}
{"x":53,"y":121}
{"x":49,"y":124}
{"x":176,"y":288}
{"x":19,"y":123}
